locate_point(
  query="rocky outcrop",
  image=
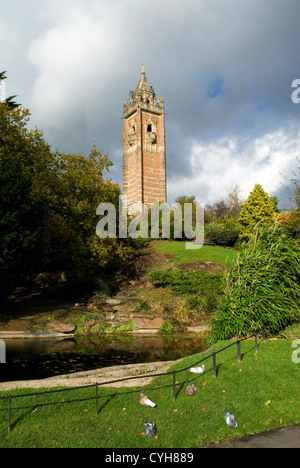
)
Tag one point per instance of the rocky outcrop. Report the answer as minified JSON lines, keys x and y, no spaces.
{"x":62,"y":327}
{"x":146,"y":322}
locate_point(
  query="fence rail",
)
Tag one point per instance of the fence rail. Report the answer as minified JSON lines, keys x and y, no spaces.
{"x":213,"y":355}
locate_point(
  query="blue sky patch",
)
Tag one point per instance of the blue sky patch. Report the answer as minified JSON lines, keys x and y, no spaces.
{"x":264,"y":107}
{"x":215,"y":87}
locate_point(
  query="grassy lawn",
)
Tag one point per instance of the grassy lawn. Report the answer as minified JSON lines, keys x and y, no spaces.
{"x":207,"y":253}
{"x":263,"y":393}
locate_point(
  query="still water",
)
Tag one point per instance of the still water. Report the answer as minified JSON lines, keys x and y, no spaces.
{"x":42,"y":358}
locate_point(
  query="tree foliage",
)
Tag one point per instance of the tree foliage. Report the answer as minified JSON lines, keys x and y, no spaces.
{"x":10,"y":100}
{"x":221,"y":225}
{"x":258,"y":208}
{"x":226,"y":208}
{"x":20,"y":211}
{"x":293,"y":226}
{"x":48,"y":205}
{"x":224,"y":232}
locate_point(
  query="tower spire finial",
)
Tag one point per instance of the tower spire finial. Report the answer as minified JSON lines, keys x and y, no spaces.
{"x":143,"y":68}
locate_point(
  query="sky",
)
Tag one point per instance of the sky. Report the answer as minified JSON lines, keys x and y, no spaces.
{"x":224,"y":67}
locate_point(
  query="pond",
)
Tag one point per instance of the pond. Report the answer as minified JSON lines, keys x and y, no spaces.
{"x":28,"y":359}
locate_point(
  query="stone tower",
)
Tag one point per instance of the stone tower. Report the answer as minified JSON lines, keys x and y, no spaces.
{"x":144,"y":149}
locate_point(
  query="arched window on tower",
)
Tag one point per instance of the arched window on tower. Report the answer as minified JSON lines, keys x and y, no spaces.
{"x":150,"y":132}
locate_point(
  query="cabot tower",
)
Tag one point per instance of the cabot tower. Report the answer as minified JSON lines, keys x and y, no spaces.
{"x":144,"y":149}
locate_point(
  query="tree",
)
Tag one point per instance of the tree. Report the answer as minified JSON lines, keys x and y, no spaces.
{"x":219,"y":209}
{"x":258,"y":208}
{"x":180,"y":201}
{"x":221,"y":226}
{"x":9,"y":101}
{"x":228,"y":208}
{"x":82,"y":187}
{"x":48,"y":205}
{"x":234,"y":202}
{"x":22,"y":155}
{"x":276,"y":203}
{"x":292,"y":224}
{"x":297,"y":197}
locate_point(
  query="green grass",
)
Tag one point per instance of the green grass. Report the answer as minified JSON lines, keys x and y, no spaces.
{"x":207,"y":253}
{"x":263,"y":392}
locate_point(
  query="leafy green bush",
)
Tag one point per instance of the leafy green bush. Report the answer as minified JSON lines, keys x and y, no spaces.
{"x":83,"y":319}
{"x":205,"y":303}
{"x":293,"y":227}
{"x":166,"y":328}
{"x":144,"y":305}
{"x":202,"y":292}
{"x":186,"y":283}
{"x":225,"y":232}
{"x":262,"y":288}
{"x":126,"y":327}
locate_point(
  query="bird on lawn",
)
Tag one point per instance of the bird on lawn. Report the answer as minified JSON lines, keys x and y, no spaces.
{"x":146,"y":401}
{"x":230,"y":419}
{"x":150,"y":429}
{"x":190,"y":390}
{"x":198,"y":370}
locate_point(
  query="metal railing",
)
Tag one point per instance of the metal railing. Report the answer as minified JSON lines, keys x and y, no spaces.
{"x":213,"y":355}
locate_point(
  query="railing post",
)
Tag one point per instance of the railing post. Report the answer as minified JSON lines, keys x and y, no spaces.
{"x":96,"y":397}
{"x":215,"y":365}
{"x":174,"y":380}
{"x":256,"y":343}
{"x":239,"y":355}
{"x":9,"y":412}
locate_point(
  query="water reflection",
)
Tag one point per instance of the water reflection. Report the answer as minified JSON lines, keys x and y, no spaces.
{"x":42,"y":358}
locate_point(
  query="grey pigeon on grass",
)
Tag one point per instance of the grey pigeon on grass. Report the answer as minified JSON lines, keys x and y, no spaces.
{"x":150,"y":429}
{"x":230,"y":419}
{"x":190,"y":390}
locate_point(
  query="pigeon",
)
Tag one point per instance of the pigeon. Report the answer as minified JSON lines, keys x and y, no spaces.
{"x":146,"y":401}
{"x":190,"y":390}
{"x":198,"y":370}
{"x":230,"y":419}
{"x":150,"y":429}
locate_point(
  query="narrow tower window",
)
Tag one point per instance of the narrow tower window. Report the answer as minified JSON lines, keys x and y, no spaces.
{"x":149,"y":128}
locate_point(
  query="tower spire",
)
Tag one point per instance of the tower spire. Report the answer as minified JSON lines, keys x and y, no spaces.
{"x":143,"y":83}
